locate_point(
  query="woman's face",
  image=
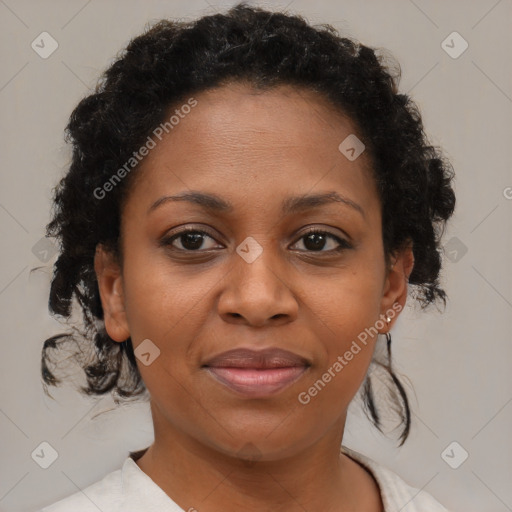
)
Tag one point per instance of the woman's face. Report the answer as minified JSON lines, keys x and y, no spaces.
{"x":251,"y":277}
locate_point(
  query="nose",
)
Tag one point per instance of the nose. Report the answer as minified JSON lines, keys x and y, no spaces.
{"x":257,"y":293}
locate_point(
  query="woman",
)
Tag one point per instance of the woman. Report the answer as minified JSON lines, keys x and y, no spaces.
{"x":248,"y":202}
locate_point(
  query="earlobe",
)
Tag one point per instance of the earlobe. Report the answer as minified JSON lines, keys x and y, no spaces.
{"x":110,"y":284}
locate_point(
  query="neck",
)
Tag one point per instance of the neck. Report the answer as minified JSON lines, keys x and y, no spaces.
{"x":199,"y":477}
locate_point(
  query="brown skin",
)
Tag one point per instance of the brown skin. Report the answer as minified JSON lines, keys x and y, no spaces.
{"x":253,"y":150}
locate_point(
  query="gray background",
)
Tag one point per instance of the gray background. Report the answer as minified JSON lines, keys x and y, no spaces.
{"x":458,"y":361}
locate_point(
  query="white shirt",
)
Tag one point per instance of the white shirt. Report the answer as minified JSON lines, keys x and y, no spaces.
{"x":129,"y":489}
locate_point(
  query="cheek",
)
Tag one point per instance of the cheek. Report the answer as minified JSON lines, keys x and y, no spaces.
{"x":169,"y":308}
{"x":343,"y":316}
{"x":345,"y":348}
{"x":347,"y":302}
{"x":159,"y":299}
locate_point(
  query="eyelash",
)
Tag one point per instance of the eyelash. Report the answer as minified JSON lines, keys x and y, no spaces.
{"x":344,"y":245}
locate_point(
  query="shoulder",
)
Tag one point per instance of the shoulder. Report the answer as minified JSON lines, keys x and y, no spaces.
{"x":128,"y":489}
{"x":105,"y":495}
{"x":396,"y":493}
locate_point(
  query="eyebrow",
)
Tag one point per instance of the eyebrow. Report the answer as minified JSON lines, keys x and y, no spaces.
{"x":296,"y":204}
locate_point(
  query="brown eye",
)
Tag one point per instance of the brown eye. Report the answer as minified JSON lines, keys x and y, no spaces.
{"x":189,"y":239}
{"x":317,"y":240}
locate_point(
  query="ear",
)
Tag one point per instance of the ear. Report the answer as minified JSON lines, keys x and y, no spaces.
{"x":110,"y":283}
{"x":395,"y":288}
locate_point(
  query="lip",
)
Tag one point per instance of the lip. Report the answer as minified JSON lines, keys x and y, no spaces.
{"x":257,"y":374}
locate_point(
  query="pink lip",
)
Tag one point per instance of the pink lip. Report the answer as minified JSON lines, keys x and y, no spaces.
{"x":257,"y":383}
{"x":257,"y":373}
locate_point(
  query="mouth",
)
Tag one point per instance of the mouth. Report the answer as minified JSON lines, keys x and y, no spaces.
{"x":257,"y":374}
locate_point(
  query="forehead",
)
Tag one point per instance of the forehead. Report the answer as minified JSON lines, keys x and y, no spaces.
{"x":248,"y":117}
{"x":245,"y":142}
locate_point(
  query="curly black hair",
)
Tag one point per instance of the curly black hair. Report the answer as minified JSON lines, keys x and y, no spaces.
{"x":173,"y":60}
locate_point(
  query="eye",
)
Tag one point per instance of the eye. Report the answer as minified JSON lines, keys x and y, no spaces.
{"x":315,"y":240}
{"x":190,"y":240}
